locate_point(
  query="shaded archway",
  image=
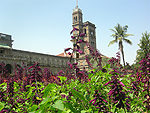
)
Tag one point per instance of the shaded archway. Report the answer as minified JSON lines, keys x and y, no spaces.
{"x":9,"y":68}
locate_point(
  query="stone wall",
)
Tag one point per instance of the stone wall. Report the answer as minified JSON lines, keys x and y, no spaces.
{"x":54,"y":63}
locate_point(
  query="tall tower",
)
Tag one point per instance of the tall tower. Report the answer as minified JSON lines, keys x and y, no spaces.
{"x":90,"y":33}
{"x":77,"y":18}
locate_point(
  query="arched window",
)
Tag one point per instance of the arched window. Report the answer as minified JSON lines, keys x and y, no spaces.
{"x":9,"y":68}
{"x":76,"y":18}
{"x":39,"y":60}
{"x":1,"y":50}
{"x":78,"y":63}
{"x":85,"y":31}
{"x":45,"y":60}
{"x":28,"y":59}
{"x":77,"y":55}
{"x":60,"y":63}
{"x":49,"y":61}
{"x":33,"y":60}
{"x":64,"y":63}
{"x":83,"y":63}
{"x":55,"y":62}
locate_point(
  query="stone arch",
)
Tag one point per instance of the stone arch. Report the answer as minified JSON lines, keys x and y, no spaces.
{"x":60,"y":62}
{"x":50,"y":61}
{"x":64,"y":63}
{"x":55,"y":62}
{"x":45,"y":60}
{"x":9,"y":68}
{"x":33,"y":59}
{"x":39,"y":60}
{"x":28,"y":58}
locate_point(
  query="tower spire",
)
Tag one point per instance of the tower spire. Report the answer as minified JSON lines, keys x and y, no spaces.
{"x":77,"y":3}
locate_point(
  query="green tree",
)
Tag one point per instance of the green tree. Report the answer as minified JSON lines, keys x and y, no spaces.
{"x":95,"y":62}
{"x":144,"y":47}
{"x":120,"y":36}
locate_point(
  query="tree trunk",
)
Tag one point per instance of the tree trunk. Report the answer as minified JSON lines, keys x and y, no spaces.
{"x":122,"y":52}
{"x":123,"y":57}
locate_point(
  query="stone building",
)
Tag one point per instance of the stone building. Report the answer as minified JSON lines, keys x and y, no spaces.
{"x":90,"y":35}
{"x":10,"y":56}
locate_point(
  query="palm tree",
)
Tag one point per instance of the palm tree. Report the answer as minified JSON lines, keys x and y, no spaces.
{"x":120,"y":36}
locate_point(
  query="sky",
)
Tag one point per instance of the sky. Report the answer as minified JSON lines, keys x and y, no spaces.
{"x":44,"y":26}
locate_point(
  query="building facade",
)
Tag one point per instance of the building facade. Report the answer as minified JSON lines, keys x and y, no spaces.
{"x":11,"y":56}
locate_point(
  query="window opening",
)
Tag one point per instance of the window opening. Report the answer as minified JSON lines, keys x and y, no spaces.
{"x":8,"y":67}
{"x":85,"y":31}
{"x":1,"y":51}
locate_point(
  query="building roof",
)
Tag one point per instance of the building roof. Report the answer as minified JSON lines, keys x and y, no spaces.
{"x":5,"y":46}
{"x":64,"y":55}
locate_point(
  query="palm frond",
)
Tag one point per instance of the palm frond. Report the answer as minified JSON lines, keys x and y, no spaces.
{"x":125,"y":28}
{"x":127,"y":41}
{"x":113,"y":30}
{"x":126,"y":35}
{"x":114,"y":35}
{"x":112,"y":42}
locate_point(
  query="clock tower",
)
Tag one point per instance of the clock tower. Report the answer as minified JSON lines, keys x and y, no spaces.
{"x":90,"y":30}
{"x":90,"y":36}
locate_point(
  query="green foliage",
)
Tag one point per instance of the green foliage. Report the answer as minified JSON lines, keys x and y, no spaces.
{"x":144,"y":47}
{"x":50,"y":87}
{"x":74,"y":96}
{"x":95,"y":62}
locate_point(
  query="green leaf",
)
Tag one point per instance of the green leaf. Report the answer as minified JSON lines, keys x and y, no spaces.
{"x":47,"y":99}
{"x":78,"y":95}
{"x":106,"y":90}
{"x":90,"y":75}
{"x":1,"y":106}
{"x":30,"y":93}
{"x":4,"y":83}
{"x":59,"y":105}
{"x":33,"y":108}
{"x":94,"y":70}
{"x":49,"y":88}
{"x":68,"y":105}
{"x":83,"y":111}
{"x":107,"y":65}
{"x":28,"y":86}
{"x":62,"y":78}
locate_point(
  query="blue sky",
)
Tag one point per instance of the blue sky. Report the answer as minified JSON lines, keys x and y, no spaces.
{"x":44,"y":25}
